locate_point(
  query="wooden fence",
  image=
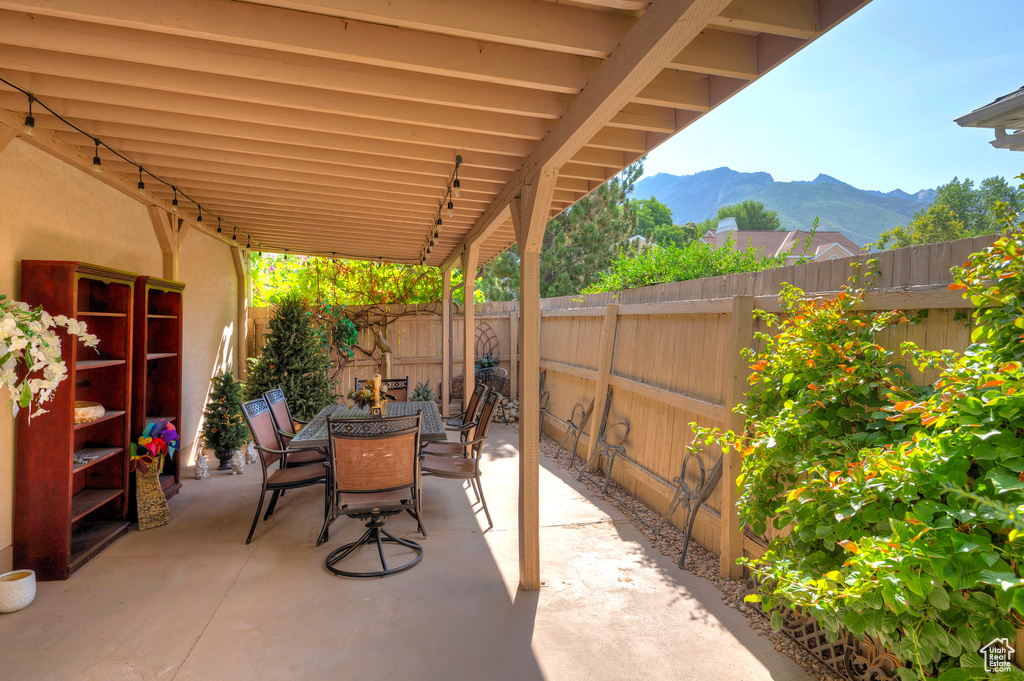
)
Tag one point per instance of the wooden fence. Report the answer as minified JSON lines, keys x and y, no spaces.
{"x":415,"y":341}
{"x":671,"y":356}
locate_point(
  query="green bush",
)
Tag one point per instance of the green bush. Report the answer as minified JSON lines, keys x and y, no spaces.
{"x":903,"y":504}
{"x":659,"y":264}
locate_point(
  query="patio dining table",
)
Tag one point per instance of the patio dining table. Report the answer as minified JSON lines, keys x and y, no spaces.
{"x":315,"y":432}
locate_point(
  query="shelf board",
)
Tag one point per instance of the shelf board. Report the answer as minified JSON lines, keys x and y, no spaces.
{"x":86,"y":364}
{"x":100,"y":453}
{"x":106,"y":417}
{"x":86,"y":313}
{"x":162,"y":316}
{"x":154,"y":419}
{"x":90,"y":538}
{"x":88,"y":500}
{"x":160,"y":355}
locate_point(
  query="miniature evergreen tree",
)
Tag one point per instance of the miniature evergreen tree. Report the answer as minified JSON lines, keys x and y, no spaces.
{"x":294,"y":357}
{"x":224,"y":429}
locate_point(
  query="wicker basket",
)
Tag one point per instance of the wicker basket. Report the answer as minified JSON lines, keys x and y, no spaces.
{"x":149,"y":496}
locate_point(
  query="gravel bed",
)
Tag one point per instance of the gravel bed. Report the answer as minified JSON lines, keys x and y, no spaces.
{"x":699,"y":561}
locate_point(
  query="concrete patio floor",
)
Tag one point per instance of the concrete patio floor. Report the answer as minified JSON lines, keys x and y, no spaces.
{"x":191,"y":601}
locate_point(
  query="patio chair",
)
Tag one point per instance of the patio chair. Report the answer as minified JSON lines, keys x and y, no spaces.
{"x":609,"y":444}
{"x":282,"y":418}
{"x":399,"y":387}
{"x":691,"y":497}
{"x":578,"y":420}
{"x":373,"y":475}
{"x":467,"y":418}
{"x":461,"y":460}
{"x":286,"y":424}
{"x":264,"y":434}
{"x":545,"y":395}
{"x":496,"y":379}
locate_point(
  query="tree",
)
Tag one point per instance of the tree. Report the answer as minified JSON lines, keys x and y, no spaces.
{"x":675,"y":235}
{"x":938,"y":223}
{"x":966,"y":203}
{"x":651,"y":215}
{"x":294,"y":356}
{"x":578,"y":244}
{"x":751,"y":215}
{"x":223,"y":428}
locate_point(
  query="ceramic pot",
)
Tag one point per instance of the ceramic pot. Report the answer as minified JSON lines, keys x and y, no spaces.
{"x":17,"y":589}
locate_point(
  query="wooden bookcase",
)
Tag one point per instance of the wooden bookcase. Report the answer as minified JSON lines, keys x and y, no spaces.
{"x":156,"y":367}
{"x":67,"y":508}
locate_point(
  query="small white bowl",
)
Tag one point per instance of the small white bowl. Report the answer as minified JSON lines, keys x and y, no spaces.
{"x":17,"y":589}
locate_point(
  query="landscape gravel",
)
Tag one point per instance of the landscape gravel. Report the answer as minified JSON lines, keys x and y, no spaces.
{"x":699,"y":561}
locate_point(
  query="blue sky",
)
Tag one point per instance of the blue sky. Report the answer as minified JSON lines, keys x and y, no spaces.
{"x":872,"y":102}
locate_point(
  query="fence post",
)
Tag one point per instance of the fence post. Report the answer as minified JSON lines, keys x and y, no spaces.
{"x":606,"y":349}
{"x":735,"y":369}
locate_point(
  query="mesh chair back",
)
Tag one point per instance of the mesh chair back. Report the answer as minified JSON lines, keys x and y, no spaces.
{"x":374,"y":455}
{"x":264,"y":434}
{"x":486,"y":416}
{"x":279,"y":409}
{"x":495,"y":378}
{"x":474,"y":401}
{"x":399,"y":387}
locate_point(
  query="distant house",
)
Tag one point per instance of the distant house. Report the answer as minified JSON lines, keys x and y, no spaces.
{"x":1005,"y":115}
{"x":793,"y":244}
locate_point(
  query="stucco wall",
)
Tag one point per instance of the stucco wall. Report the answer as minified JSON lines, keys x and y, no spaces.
{"x":51,"y":210}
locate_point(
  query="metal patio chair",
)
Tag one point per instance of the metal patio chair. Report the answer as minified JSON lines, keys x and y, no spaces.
{"x":399,"y":387}
{"x":373,"y":475}
{"x":461,"y":460}
{"x":691,"y":497}
{"x":577,"y":423}
{"x":467,"y":419}
{"x":609,"y":444}
{"x":264,"y":435}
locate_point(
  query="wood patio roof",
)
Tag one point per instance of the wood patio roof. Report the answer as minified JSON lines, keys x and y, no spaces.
{"x":332,"y":126}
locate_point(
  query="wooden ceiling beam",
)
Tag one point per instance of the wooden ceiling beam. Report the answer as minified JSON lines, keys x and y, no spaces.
{"x":677,"y":90}
{"x":427,"y":184}
{"x":660,"y":34}
{"x":56,"y":35}
{"x":527,"y":23}
{"x":140,"y":93}
{"x":793,"y":18}
{"x":344,"y":132}
{"x":720,"y":53}
{"x":331,"y":147}
{"x":600,"y":157}
{"x":242,"y":23}
{"x":329,"y":163}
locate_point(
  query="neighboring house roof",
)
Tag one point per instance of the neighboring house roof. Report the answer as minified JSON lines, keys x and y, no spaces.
{"x":1003,"y":114}
{"x":780,"y":243}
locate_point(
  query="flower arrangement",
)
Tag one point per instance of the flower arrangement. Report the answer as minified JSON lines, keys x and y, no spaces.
{"x":28,"y":335}
{"x":363,"y":397}
{"x":159,"y":438}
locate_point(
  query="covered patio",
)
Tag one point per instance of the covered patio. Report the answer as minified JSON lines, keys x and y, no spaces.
{"x":407,"y":132}
{"x":611,"y":606}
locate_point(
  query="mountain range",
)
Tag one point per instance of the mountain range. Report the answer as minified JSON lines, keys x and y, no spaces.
{"x":858,"y":213}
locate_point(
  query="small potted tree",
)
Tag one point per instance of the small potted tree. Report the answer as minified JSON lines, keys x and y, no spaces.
{"x":224,"y":429}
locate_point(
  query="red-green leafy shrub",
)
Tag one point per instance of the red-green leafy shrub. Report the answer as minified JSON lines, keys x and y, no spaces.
{"x":903,"y":504}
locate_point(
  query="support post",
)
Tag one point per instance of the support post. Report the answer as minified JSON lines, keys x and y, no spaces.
{"x":741,"y":336}
{"x":513,"y":355}
{"x":446,"y":341}
{"x":6,"y":135}
{"x":469,"y":262}
{"x":604,"y":368}
{"x":240,"y":259}
{"x":530,"y":211}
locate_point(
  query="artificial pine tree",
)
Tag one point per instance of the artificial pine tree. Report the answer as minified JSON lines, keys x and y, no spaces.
{"x":294,"y":357}
{"x":224,"y":429}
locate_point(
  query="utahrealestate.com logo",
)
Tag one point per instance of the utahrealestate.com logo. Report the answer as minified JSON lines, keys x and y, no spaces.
{"x":997,"y":654}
